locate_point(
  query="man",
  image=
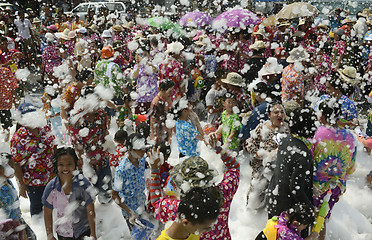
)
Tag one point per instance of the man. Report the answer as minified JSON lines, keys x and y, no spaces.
{"x":24,"y":31}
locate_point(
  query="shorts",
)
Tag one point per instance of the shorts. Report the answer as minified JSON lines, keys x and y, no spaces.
{"x":318,"y":201}
{"x":6,"y":119}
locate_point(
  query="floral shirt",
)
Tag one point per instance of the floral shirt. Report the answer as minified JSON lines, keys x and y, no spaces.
{"x":8,"y":83}
{"x":292,"y":82}
{"x":173,"y":69}
{"x":186,"y":138}
{"x":324,"y":70}
{"x":348,"y":108}
{"x":147,"y":87}
{"x":110,"y":75}
{"x":117,"y":156}
{"x":51,"y":58}
{"x":334,"y":157}
{"x":34,"y":154}
{"x":94,"y":137}
{"x":286,"y":232}
{"x":229,"y":124}
{"x":129,"y":181}
{"x":9,"y":201}
{"x":70,"y":46}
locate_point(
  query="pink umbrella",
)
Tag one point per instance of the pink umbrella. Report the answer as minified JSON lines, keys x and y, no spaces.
{"x":237,"y":18}
{"x":195,"y":19}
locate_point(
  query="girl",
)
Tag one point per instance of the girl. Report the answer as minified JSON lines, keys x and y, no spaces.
{"x":70,"y":194}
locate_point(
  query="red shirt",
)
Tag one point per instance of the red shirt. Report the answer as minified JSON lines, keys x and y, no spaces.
{"x":8,"y":83}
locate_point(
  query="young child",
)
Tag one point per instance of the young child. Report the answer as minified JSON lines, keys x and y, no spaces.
{"x":197,"y":212}
{"x":214,"y":98}
{"x":9,"y":202}
{"x":230,"y":123}
{"x":188,"y":129}
{"x":120,"y":139}
{"x":71,"y":195}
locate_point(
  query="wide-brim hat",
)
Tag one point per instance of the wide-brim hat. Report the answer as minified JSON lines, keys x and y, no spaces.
{"x":94,"y":28}
{"x":175,"y":47}
{"x":71,"y":35}
{"x":117,"y":28}
{"x":234,"y":79}
{"x":261,"y":32}
{"x":128,"y":25}
{"x":36,"y":20}
{"x":349,"y":75}
{"x":257,"y":45}
{"x":194,"y":171}
{"x":64,"y":34}
{"x":366,"y":12}
{"x":284,"y":24}
{"x":322,"y":25}
{"x":297,"y":54}
{"x":106,"y":33}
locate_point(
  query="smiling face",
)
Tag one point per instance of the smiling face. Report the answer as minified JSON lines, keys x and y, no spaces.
{"x":277,"y":116}
{"x":229,"y":104}
{"x":65,"y":167}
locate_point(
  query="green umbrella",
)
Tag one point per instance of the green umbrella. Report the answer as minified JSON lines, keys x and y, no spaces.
{"x":161,"y":22}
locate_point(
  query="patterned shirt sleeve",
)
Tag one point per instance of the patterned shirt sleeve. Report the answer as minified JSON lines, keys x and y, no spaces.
{"x":166,"y":209}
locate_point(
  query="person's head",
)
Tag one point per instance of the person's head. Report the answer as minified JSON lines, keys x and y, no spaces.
{"x":3,"y":44}
{"x":276,"y":113}
{"x":136,"y":145}
{"x":29,"y":116}
{"x":120,"y":137}
{"x":219,"y":74}
{"x":166,"y":86}
{"x":143,"y":129}
{"x":300,"y":216}
{"x":85,"y":76}
{"x":154,"y":42}
{"x":229,"y":102}
{"x":199,"y":208}
{"x":329,"y":111}
{"x":65,"y":162}
{"x":302,"y":122}
{"x":261,"y":91}
{"x":6,"y":166}
{"x":334,"y":86}
{"x":182,"y":109}
{"x":21,"y":15}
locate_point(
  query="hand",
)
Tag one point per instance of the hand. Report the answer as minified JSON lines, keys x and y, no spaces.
{"x":154,"y":158}
{"x":23,"y":191}
{"x":213,"y":140}
{"x":132,"y":217}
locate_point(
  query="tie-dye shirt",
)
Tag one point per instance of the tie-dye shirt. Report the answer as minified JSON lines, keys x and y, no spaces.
{"x":334,"y":158}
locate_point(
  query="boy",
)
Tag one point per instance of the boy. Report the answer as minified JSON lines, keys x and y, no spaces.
{"x":230,"y":123}
{"x":197,"y":212}
{"x":120,"y":139}
{"x":213,"y":100}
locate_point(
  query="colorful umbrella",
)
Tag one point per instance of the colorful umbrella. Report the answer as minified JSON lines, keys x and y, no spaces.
{"x":237,"y":18}
{"x":296,"y":10}
{"x":161,"y":22}
{"x":195,"y":19}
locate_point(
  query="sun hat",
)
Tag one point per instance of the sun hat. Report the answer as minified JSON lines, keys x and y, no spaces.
{"x":365,"y":13}
{"x":49,"y":37}
{"x":322,"y":25}
{"x":106,"y":33}
{"x":129,"y":25}
{"x":271,"y":67}
{"x":297,"y":54}
{"x":284,"y":24}
{"x":260,"y":31}
{"x":71,"y":34}
{"x":52,"y":28}
{"x":94,"y":28}
{"x":339,"y":32}
{"x":117,"y":28}
{"x":349,"y":75}
{"x":64,"y":34}
{"x":36,"y":20}
{"x":257,"y":45}
{"x":194,"y":170}
{"x":174,"y":47}
{"x":107,"y":52}
{"x":82,"y":30}
{"x":234,"y":79}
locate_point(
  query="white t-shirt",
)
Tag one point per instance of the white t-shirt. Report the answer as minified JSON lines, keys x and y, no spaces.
{"x":23,"y":28}
{"x":212,"y":98}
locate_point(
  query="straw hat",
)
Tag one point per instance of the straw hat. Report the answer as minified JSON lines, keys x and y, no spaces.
{"x":71,"y":35}
{"x":284,"y":24}
{"x":257,"y":45}
{"x":260,"y":31}
{"x":94,"y":28}
{"x":64,"y":34}
{"x":175,"y":47}
{"x":322,"y":25}
{"x":128,"y":25}
{"x":349,"y":75}
{"x":117,"y":28}
{"x":366,"y":13}
{"x":36,"y":20}
{"x":339,"y":32}
{"x":234,"y":79}
{"x":106,"y":33}
{"x":49,"y":37}
{"x":297,"y":54}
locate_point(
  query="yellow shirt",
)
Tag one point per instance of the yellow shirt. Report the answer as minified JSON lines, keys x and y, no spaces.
{"x":164,"y":236}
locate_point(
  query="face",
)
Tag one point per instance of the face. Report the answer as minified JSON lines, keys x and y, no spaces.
{"x":229,"y":104}
{"x":277,"y":115}
{"x":3,"y":45}
{"x":65,"y":166}
{"x":330,"y":90}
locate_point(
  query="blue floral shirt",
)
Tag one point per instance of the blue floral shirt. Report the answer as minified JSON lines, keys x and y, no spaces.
{"x":9,"y":201}
{"x":129,"y":181}
{"x":186,"y":138}
{"x":348,"y":108}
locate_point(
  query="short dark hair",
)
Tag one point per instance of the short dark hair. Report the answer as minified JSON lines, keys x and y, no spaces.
{"x":302,"y":122}
{"x":271,"y":105}
{"x":143,"y":129}
{"x":84,"y":75}
{"x":331,"y":109}
{"x":7,"y":156}
{"x":166,"y":84}
{"x":336,"y":82}
{"x":301,"y":213}
{"x":62,"y":151}
{"x":164,"y":148}
{"x":200,"y":204}
{"x":121,"y":135}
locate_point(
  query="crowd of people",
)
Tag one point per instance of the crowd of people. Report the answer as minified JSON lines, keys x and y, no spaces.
{"x":284,"y":97}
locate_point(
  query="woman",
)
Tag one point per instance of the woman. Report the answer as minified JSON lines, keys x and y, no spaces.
{"x":51,"y":58}
{"x":145,"y":74}
{"x":32,"y":148}
{"x":262,"y":146}
{"x":334,"y":156}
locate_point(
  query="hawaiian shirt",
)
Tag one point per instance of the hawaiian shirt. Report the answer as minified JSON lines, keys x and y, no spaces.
{"x":339,"y":49}
{"x":129,"y":181}
{"x":70,"y":46}
{"x":77,"y":25}
{"x":147,"y":85}
{"x":9,"y":201}
{"x":173,"y":69}
{"x":8,"y":83}
{"x":51,"y":58}
{"x":34,"y":154}
{"x":186,"y":138}
{"x":287,"y":231}
{"x":324,"y":70}
{"x":94,"y":137}
{"x":110,"y":75}
{"x":348,"y":108}
{"x":117,"y":156}
{"x":292,"y":82}
{"x":229,"y":124}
